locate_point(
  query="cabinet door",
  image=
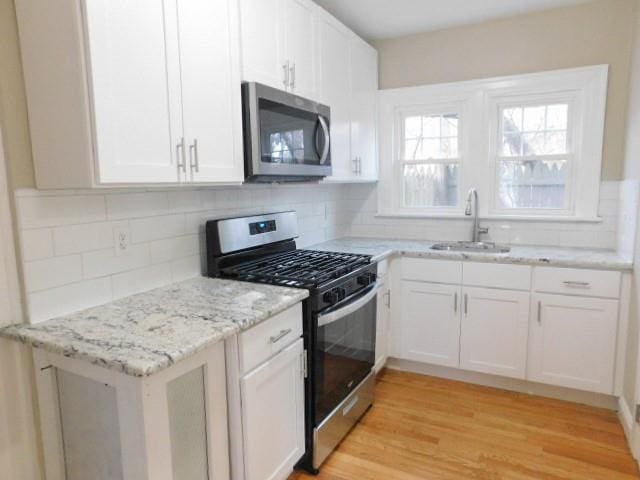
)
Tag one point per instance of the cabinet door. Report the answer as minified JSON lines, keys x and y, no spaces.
{"x":493,"y":337}
{"x":262,"y":39}
{"x":430,"y":323}
{"x":335,"y":92}
{"x":133,"y":56}
{"x":382,"y":325}
{"x":209,"y":54}
{"x":300,"y":36}
{"x":364,"y":89}
{"x":572,"y":342}
{"x":273,"y":415}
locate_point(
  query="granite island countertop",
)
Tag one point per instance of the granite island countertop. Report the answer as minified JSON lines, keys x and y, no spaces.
{"x":148,"y":332}
{"x":526,"y":255}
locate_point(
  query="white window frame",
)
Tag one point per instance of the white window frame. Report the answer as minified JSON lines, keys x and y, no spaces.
{"x":479,"y":103}
{"x":431,"y":110}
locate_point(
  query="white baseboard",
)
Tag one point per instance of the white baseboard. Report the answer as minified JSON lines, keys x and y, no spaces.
{"x":522,"y":386}
{"x":626,"y":418}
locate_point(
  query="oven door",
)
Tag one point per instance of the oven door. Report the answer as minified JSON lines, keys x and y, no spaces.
{"x":285,"y":135}
{"x":344,"y":351}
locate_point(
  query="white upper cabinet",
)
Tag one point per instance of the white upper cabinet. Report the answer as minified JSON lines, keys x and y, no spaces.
{"x":133,"y":131}
{"x":136,"y":84}
{"x":262,"y":39}
{"x":349,"y":84}
{"x":335,"y":91}
{"x":278,"y":44}
{"x":300,"y":39}
{"x":364,"y":90}
{"x":211,"y":94}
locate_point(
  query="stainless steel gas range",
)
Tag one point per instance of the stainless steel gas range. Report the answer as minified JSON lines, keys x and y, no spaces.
{"x":339,"y":316}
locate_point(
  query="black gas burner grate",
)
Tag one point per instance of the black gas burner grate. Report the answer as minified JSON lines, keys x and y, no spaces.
{"x":298,"y":268}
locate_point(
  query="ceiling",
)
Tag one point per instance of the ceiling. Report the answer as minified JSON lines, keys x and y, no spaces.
{"x":377,"y":19}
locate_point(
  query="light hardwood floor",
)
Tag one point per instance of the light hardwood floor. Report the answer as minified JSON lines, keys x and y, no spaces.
{"x":424,"y":428}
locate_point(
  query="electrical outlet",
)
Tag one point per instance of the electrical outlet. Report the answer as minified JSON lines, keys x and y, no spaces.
{"x":122,"y":240}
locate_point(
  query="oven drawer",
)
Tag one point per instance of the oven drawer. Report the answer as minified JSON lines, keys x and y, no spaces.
{"x":261,"y":342}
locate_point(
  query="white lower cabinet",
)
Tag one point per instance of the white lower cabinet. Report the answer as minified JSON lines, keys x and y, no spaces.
{"x":493,"y":337}
{"x":382,"y":324}
{"x":273,"y":415}
{"x":572,"y":341}
{"x":430,"y":323}
{"x":556,"y":326}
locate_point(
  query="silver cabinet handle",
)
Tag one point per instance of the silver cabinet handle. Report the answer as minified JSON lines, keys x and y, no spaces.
{"x":466,"y":303}
{"x":193,"y":156}
{"x":280,"y":336}
{"x":292,"y":76}
{"x":455,"y":303}
{"x":285,"y":67}
{"x":576,"y":284}
{"x":355,"y":165}
{"x":359,"y":165}
{"x":180,"y":153}
{"x":539,"y":312}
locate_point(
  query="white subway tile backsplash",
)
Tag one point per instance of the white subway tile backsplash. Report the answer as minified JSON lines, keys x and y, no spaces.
{"x":105,"y":262}
{"x":69,"y":298}
{"x":49,"y":211}
{"x":52,"y":272}
{"x":188,"y":267}
{"x":155,"y":228}
{"x":70,"y":261}
{"x":173,"y":248}
{"x":140,"y":280}
{"x":85,"y":237}
{"x":36,"y":244}
{"x":137,"y":205}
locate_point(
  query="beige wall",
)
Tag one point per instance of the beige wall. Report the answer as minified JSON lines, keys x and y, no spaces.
{"x":594,"y":33}
{"x":13,"y":107}
{"x":632,"y":171}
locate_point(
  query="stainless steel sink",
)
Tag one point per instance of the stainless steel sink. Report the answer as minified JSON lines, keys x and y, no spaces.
{"x":485,"y":247}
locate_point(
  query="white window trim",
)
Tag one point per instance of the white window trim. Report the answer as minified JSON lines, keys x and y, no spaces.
{"x":478,"y":100}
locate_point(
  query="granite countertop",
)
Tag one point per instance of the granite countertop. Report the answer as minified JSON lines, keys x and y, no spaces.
{"x":148,"y":332}
{"x":527,"y":255}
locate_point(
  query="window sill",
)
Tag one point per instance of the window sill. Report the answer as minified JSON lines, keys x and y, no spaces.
{"x":514,"y":218}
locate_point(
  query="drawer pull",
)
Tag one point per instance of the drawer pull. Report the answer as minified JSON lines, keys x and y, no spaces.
{"x":280,"y":336}
{"x":539,"y":312}
{"x":576,"y":284}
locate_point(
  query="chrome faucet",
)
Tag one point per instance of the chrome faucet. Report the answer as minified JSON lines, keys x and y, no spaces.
{"x":472,"y":197}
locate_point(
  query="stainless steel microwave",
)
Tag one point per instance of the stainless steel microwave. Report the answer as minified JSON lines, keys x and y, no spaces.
{"x":286,"y":137}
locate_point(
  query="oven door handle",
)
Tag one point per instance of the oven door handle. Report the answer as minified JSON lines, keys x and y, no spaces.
{"x":348,"y":309}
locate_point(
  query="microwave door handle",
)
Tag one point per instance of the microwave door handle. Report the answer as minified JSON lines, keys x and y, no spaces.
{"x":327,"y":139}
{"x":348,"y":309}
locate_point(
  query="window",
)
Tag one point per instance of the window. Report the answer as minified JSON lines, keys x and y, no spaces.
{"x":530,"y":144}
{"x":430,"y":157}
{"x":533,"y":159}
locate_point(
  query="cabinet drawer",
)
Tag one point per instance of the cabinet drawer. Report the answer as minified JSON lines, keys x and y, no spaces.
{"x":436,"y":271}
{"x":572,"y":281}
{"x":269,"y":337}
{"x":492,"y":275}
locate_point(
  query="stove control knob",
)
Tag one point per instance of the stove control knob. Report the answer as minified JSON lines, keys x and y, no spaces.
{"x":342,"y":293}
{"x":366,"y":279}
{"x":332,"y":296}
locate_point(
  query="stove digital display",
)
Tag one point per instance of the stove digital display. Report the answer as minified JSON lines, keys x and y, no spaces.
{"x":257,"y":228}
